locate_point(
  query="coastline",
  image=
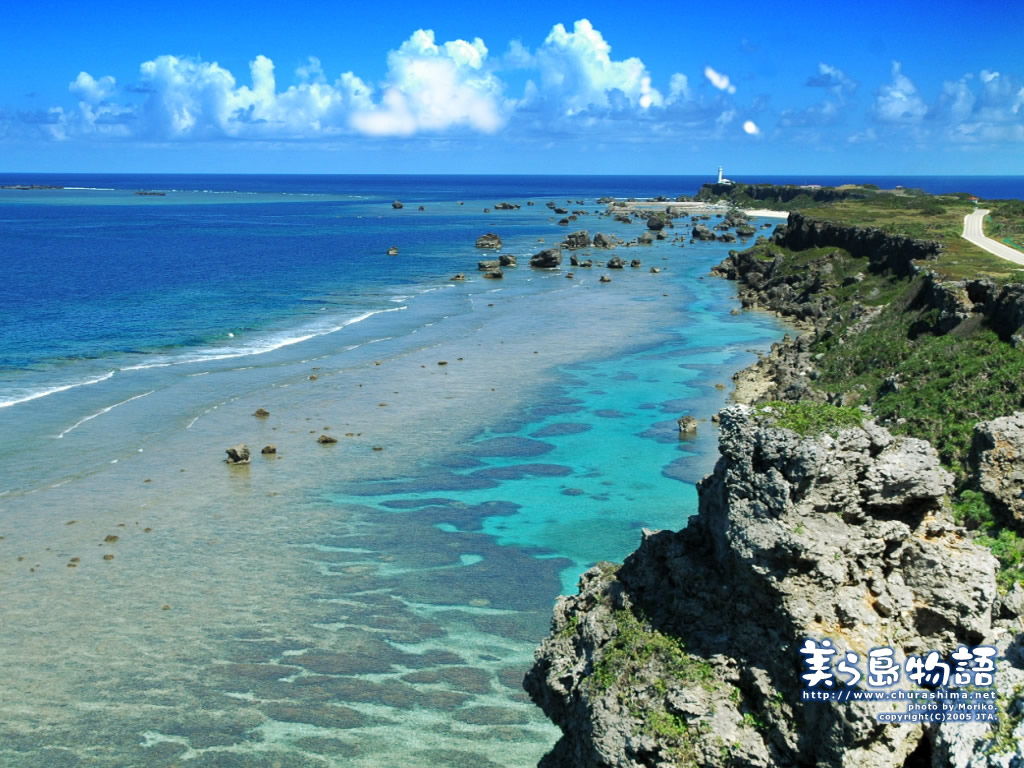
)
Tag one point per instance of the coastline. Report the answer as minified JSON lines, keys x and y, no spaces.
{"x":293,"y":562}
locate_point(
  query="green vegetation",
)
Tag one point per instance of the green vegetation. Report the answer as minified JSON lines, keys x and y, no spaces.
{"x":1006,"y":222}
{"x":642,"y":661}
{"x":1003,"y":740}
{"x":638,"y":647}
{"x":806,"y":418}
{"x":973,"y":512}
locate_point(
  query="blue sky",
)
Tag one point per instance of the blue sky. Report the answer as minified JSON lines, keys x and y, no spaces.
{"x":517,"y":87}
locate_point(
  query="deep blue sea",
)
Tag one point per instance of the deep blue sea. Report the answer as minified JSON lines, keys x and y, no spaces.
{"x":373,"y":601}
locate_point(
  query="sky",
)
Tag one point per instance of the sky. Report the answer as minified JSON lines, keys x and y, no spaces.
{"x":513,"y":87}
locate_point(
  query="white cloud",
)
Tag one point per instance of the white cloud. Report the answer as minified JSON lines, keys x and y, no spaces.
{"x":90,"y":90}
{"x":433,"y":88}
{"x":750,"y":128}
{"x":577,"y":72}
{"x":898,"y":101}
{"x":720,"y":81}
{"x":832,"y":78}
{"x":678,"y":89}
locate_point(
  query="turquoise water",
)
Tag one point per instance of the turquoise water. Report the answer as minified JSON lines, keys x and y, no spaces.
{"x":371,"y":602}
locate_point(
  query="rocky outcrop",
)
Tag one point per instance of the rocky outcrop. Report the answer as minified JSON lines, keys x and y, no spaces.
{"x":503,"y":206}
{"x":508,"y":260}
{"x":689,"y":653}
{"x":490,"y":240}
{"x":550,"y":258}
{"x":615,"y":263}
{"x":895,"y":253}
{"x":997,"y":450}
{"x":701,"y":232}
{"x":488,"y":264}
{"x":237,"y":454}
{"x":575,"y":240}
{"x":604,"y":241}
{"x":397,"y":205}
{"x":656,"y":223}
{"x":772,"y":193}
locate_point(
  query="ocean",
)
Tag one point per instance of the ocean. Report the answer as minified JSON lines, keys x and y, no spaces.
{"x":373,"y":601}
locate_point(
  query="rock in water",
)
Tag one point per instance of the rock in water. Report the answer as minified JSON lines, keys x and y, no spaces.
{"x":490,"y":240}
{"x":615,"y":263}
{"x":507,"y":260}
{"x":269,"y":450}
{"x":326,"y":439}
{"x":603,"y":241}
{"x":494,"y":274}
{"x":605,"y":279}
{"x":550,"y":258}
{"x":393,"y":250}
{"x":397,"y":205}
{"x":655,"y":223}
{"x":238,"y":454}
{"x":689,"y":653}
{"x":687,"y":425}
{"x":261,"y":412}
{"x":701,"y":232}
{"x":487,"y":265}
{"x":579,"y":239}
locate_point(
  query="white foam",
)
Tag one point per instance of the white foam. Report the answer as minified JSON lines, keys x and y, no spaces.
{"x":100,"y":412}
{"x":15,"y":400}
{"x":259,"y":348}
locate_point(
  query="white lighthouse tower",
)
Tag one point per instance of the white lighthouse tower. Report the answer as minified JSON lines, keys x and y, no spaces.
{"x":719,"y":174}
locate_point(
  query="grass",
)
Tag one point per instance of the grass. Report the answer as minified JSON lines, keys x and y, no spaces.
{"x":806,"y":418}
{"x":972,"y":511}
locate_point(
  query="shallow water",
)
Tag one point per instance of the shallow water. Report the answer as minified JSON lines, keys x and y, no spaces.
{"x":339,"y":604}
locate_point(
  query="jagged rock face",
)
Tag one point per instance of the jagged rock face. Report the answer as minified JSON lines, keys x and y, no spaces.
{"x":842,"y":537}
{"x":896,"y":253}
{"x":997,"y":450}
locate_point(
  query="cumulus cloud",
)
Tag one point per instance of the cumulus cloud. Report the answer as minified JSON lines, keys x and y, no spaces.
{"x":91,"y":90}
{"x":898,"y":100}
{"x":577,"y":73}
{"x":720,"y":81}
{"x":750,"y":128}
{"x":433,"y":88}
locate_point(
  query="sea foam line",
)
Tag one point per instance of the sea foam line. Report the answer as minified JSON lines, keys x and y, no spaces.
{"x":108,"y":409}
{"x":228,"y":354}
{"x":53,"y":390}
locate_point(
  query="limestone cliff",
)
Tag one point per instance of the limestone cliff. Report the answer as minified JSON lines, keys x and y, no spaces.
{"x":688,"y":654}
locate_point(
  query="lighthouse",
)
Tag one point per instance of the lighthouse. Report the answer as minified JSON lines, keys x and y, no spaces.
{"x":719,"y":174}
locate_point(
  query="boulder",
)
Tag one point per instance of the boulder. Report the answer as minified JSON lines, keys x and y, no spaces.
{"x":655,"y":270}
{"x":701,"y":232}
{"x":326,"y":439}
{"x":505,"y":207}
{"x":603,"y":241}
{"x":605,"y":279}
{"x":393,"y":250}
{"x":237,"y":454}
{"x":646,"y":238}
{"x":494,"y":274}
{"x":261,"y":412}
{"x":687,"y":425}
{"x":488,"y":264}
{"x":269,"y":450}
{"x":656,"y":223}
{"x":615,"y":263}
{"x":397,"y":205}
{"x":459,"y":276}
{"x":585,"y":263}
{"x":580,"y":239}
{"x":507,"y":260}
{"x":550,"y":258}
{"x":490,"y":240}
{"x":636,"y":263}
